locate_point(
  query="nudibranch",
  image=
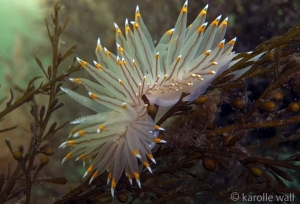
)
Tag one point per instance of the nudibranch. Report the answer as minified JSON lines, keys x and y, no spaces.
{"x":186,"y":59}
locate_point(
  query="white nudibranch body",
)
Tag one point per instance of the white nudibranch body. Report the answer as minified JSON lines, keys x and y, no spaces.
{"x":186,"y":59}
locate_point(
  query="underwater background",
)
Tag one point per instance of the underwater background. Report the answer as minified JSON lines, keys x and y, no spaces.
{"x":27,"y":141}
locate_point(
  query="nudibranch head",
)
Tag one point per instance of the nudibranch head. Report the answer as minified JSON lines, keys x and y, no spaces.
{"x":113,"y":138}
{"x":186,"y":59}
